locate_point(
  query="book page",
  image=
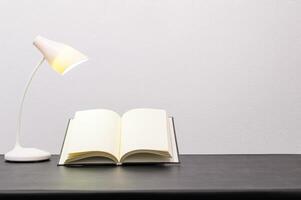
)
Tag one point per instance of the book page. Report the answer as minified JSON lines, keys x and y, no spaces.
{"x":144,"y":129}
{"x":95,"y":130}
{"x":152,"y":158}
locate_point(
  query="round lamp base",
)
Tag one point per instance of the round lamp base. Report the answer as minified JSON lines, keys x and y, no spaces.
{"x":21,"y":154}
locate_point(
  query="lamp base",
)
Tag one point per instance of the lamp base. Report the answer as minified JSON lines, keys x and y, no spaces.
{"x":21,"y":154}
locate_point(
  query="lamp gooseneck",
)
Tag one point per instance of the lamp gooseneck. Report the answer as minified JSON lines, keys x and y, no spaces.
{"x":18,"y":144}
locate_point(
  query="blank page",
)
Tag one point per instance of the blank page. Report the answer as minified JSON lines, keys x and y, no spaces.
{"x":95,"y":130}
{"x":144,"y":129}
{"x":150,"y":158}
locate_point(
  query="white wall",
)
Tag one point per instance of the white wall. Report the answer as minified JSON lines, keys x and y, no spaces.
{"x":228,"y":71}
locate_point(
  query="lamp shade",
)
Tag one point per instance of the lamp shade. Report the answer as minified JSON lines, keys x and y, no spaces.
{"x":60,"y":57}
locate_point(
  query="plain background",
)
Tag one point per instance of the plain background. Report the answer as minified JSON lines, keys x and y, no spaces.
{"x":228,"y":71}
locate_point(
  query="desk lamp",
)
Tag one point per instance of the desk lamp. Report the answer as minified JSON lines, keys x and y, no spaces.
{"x":61,"y":58}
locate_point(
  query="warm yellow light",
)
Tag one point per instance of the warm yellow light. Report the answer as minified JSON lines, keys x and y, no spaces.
{"x":62,"y":58}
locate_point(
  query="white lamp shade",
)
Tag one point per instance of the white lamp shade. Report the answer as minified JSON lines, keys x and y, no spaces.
{"x":61,"y":57}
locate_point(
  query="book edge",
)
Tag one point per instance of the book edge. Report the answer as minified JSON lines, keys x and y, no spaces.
{"x":63,"y":144}
{"x":176,"y":139}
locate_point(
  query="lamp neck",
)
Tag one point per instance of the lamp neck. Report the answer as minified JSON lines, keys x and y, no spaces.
{"x":22,"y":101}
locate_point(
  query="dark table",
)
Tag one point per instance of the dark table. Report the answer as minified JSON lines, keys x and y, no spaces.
{"x":211,"y":176}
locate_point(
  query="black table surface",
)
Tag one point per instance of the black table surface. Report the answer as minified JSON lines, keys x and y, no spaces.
{"x":197,"y":175}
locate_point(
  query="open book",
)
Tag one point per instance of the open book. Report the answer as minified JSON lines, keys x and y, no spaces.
{"x":103,"y":137}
